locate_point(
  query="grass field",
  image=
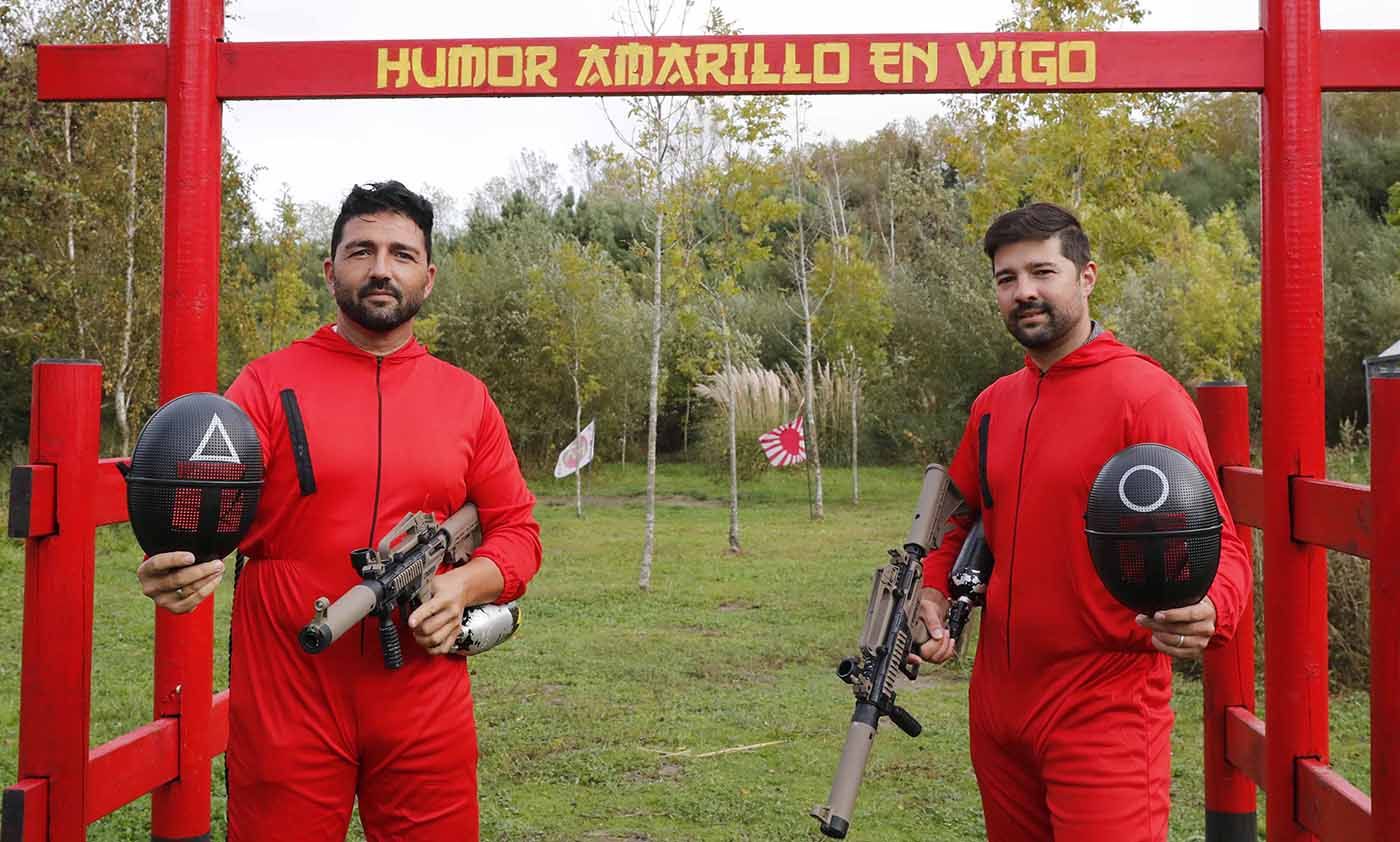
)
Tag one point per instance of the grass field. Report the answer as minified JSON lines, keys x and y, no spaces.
{"x":607,"y":718}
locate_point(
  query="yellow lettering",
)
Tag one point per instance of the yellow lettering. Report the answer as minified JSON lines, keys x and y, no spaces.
{"x":674,"y":65}
{"x":761,"y":73}
{"x":1085,"y":48}
{"x":539,"y":64}
{"x":792,"y":69}
{"x":740,"y":76}
{"x":882,"y":55}
{"x":842,"y":51}
{"x":439,"y":72}
{"x":709,"y":63}
{"x":595,"y":67}
{"x":929,"y":57}
{"x":1038,"y":65}
{"x":466,"y":66}
{"x":515,"y":60}
{"x":976,"y":73}
{"x":632,"y":63}
{"x":401,"y":66}
{"x":1008,"y":67}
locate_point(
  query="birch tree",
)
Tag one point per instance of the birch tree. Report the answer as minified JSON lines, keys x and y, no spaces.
{"x":655,"y":122}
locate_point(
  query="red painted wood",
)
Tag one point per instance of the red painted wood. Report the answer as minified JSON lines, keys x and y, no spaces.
{"x":109,"y":497}
{"x":189,"y":335}
{"x":1244,"y":494}
{"x":26,"y":812}
{"x":56,"y":677}
{"x":110,"y":492}
{"x":1229,"y":669}
{"x":124,"y":769}
{"x":1385,"y":619}
{"x":1295,"y":603}
{"x":1245,"y":745}
{"x":1331,"y":514}
{"x":965,"y":62}
{"x":40,"y":501}
{"x":218,"y":725}
{"x":95,"y":72}
{"x":1329,"y":806}
{"x":1360,"y":59}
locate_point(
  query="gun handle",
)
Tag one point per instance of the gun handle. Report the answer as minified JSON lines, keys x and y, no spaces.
{"x":835,"y":815}
{"x":321,"y":632}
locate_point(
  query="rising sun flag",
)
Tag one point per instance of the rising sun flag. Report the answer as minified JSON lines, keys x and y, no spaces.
{"x":784,"y":445}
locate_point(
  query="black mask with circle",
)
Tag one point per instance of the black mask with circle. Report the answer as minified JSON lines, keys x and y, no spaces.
{"x":1153,"y":528}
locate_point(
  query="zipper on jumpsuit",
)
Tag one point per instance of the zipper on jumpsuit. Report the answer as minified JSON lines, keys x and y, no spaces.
{"x":378,"y":467}
{"x":1016,"y":518}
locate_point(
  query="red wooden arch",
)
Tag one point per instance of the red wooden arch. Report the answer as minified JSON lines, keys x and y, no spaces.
{"x":66,"y":491}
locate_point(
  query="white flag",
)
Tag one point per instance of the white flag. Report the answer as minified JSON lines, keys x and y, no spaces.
{"x":576,"y":455}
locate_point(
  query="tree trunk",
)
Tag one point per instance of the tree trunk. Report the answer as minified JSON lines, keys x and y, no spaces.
{"x":731,"y":382}
{"x":649,"y":540}
{"x":855,"y":435}
{"x":78,"y":320}
{"x":810,"y":432}
{"x":121,"y":394}
{"x":578,"y":431}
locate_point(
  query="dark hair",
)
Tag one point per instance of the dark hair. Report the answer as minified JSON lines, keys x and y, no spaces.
{"x":383,"y":196}
{"x":1039,"y":221}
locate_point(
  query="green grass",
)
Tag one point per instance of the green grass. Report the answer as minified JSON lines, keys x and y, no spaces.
{"x":593,"y":719}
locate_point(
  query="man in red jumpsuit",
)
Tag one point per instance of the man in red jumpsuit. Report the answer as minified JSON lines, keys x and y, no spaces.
{"x":1070,"y":714}
{"x":359,"y":426}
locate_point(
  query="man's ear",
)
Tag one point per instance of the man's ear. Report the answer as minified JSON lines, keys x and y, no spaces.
{"x":328,"y":269}
{"x":432,"y":278}
{"x":1088,"y":276}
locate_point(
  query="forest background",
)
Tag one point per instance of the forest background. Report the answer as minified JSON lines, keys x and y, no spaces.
{"x":841,"y":278}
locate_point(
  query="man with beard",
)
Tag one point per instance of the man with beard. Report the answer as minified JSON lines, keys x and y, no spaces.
{"x":359,"y":426}
{"x":1069,"y":704}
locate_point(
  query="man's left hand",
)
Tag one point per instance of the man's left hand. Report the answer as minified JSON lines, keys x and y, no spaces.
{"x":1182,"y":632}
{"x":436,"y":622}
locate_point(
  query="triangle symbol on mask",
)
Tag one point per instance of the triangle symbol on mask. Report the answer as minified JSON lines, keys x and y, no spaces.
{"x":206,"y":453}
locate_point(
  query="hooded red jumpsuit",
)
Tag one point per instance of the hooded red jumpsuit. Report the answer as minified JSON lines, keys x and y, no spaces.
{"x":1070,"y":714}
{"x":360,"y":442}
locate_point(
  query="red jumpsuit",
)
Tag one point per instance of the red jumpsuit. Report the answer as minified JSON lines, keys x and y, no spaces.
{"x":1070,"y":715}
{"x":378,"y":438}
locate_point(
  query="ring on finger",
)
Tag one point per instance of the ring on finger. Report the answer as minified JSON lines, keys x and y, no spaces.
{"x":180,"y":592}
{"x":1180,"y":640}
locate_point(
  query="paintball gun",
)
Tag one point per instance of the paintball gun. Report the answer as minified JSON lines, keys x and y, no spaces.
{"x":892,"y":630}
{"x":967,"y":581}
{"x":399,"y":574}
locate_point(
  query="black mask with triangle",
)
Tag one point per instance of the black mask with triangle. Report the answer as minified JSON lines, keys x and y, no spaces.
{"x":195,"y":479}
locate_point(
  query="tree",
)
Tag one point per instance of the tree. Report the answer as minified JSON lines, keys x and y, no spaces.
{"x":657,"y":120}
{"x":570,"y":298}
{"x":738,"y":190}
{"x":854,"y":326}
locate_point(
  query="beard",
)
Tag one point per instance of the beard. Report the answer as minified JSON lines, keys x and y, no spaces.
{"x":355,"y":304}
{"x":1053,"y":327}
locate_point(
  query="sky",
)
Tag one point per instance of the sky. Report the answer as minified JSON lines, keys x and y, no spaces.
{"x":315,"y":149}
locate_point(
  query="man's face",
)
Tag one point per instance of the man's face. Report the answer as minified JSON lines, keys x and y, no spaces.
{"x":1042,"y":295}
{"x":379,"y":274}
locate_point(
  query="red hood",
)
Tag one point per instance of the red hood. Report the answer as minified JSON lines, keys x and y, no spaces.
{"x":329,"y":339}
{"x":1096,"y":351}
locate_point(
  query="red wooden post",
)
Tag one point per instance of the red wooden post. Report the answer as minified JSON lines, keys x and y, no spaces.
{"x":1229,"y":670}
{"x":189,"y":332}
{"x":1295,"y":575}
{"x":56,"y":684}
{"x":1385,"y":620}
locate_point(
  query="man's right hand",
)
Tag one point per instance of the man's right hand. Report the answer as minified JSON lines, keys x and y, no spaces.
{"x":933,"y":610}
{"x":174,"y":582}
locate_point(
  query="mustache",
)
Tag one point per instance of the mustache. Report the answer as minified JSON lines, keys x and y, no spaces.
{"x":1030,"y":310}
{"x":383,"y":285}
